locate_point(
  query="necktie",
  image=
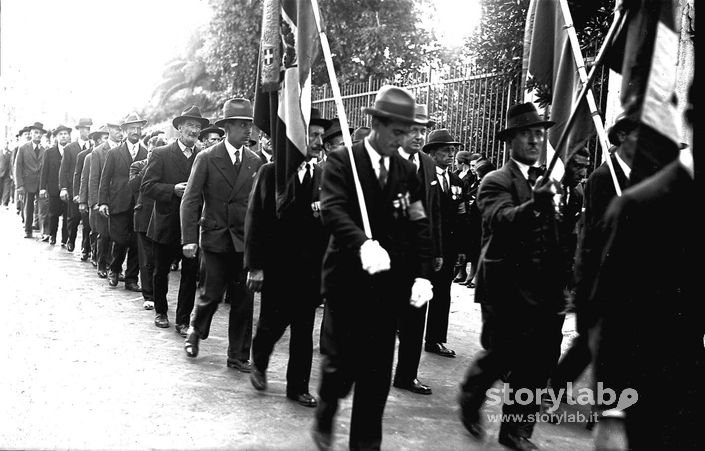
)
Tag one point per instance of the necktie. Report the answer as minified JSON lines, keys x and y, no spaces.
{"x":534,"y":173}
{"x":412,"y":158}
{"x":237,"y":158}
{"x":444,"y":177}
{"x":187,"y":152}
{"x":382,"y":177}
{"x":36,"y":150}
{"x":307,"y":175}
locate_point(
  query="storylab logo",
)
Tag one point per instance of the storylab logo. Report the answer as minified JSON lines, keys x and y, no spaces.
{"x":553,"y":396}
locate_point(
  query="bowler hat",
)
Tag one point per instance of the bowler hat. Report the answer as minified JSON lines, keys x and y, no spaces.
{"x":318,"y":119}
{"x":61,"y":128}
{"x":395,"y":103}
{"x":192,"y":112}
{"x":103,"y":130}
{"x":38,"y":125}
{"x":237,"y":108}
{"x":439,"y":138}
{"x":211,"y":129}
{"x":522,"y":115}
{"x":422,"y":115}
{"x":84,"y":122}
{"x":622,"y":123}
{"x":334,"y":130}
{"x":133,"y":118}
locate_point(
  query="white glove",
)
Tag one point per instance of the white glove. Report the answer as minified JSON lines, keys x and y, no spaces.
{"x":421,"y":292}
{"x":373,"y":257}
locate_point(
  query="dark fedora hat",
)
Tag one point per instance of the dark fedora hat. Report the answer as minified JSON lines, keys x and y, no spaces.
{"x":61,"y":128}
{"x":335,"y":130}
{"x":133,"y":118}
{"x":102,"y":130}
{"x":522,"y":115}
{"x":439,"y":138}
{"x":192,"y":112}
{"x":38,"y":125}
{"x":22,"y":130}
{"x":395,"y":103}
{"x":622,"y":123}
{"x":318,"y":119}
{"x":211,"y":129}
{"x":422,"y":115}
{"x":251,"y":142}
{"x":84,"y":122}
{"x":237,"y":108}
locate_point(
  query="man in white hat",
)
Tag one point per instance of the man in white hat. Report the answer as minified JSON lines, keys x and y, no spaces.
{"x":117,"y":202}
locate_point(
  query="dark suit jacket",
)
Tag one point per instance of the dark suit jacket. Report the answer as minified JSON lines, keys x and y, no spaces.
{"x":167,"y":166}
{"x":114,"y":190}
{"x":78,"y":171}
{"x":68,"y":166}
{"x":432,"y":201}
{"x":648,"y":297}
{"x":49,"y":179}
{"x":85,"y":179}
{"x":289,"y":247}
{"x":28,"y":167}
{"x":143,"y":205}
{"x":99,"y":155}
{"x":5,"y":163}
{"x":599,"y":191}
{"x":453,"y":224}
{"x":223,"y":193}
{"x":404,"y":235}
{"x":520,"y":257}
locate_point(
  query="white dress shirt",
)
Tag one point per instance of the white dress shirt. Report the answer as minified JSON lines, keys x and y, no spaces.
{"x":302,"y":169}
{"x":405,"y":155}
{"x":441,"y":175}
{"x":232,"y":149}
{"x":375,"y":158}
{"x":622,"y":164}
{"x":182,"y":146}
{"x":133,"y":148}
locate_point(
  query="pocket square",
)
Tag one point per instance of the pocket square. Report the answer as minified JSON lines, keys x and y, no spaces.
{"x":435,"y":182}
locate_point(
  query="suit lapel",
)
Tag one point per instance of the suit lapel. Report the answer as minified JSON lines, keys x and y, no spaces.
{"x":368,"y":178}
{"x":521,"y":185}
{"x":124,"y":152}
{"x":181,"y":160}
{"x":246,"y":169}
{"x":224,"y":164}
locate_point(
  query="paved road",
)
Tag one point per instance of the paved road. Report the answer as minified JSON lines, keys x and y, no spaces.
{"x":83,"y":367}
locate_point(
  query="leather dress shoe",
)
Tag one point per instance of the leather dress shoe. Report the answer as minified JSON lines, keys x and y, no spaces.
{"x":191,"y":342}
{"x":181,"y":329}
{"x":28,"y":235}
{"x":470,"y":417}
{"x":133,"y":286}
{"x":102,"y":273}
{"x":440,"y":349}
{"x":46,"y":238}
{"x":63,"y":244}
{"x":322,"y":440}
{"x":70,"y":247}
{"x":52,"y":240}
{"x":84,"y":256}
{"x":244,"y":366}
{"x":414,"y":386}
{"x":258,"y":379}
{"x":121,"y":277}
{"x":94,"y":262}
{"x":112,"y":279}
{"x":516,"y":442}
{"x":161,"y":320}
{"x":304,"y":399}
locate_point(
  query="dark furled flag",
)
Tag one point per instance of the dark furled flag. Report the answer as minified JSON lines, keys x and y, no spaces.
{"x":282,"y":110}
{"x":646,"y":54}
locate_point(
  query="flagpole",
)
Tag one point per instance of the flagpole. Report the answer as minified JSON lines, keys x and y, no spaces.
{"x":347,"y":139}
{"x":596,"y":118}
{"x":617,"y":23}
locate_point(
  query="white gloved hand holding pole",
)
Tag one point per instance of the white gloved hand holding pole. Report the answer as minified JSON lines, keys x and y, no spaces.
{"x":421,"y":292}
{"x":373,"y":257}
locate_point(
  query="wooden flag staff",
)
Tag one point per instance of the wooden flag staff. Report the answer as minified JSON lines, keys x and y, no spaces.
{"x":347,"y":139}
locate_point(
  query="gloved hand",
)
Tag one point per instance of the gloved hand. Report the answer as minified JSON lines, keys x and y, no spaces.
{"x":83,"y":208}
{"x":104,"y":210}
{"x":64,"y":194}
{"x":76,"y":200}
{"x":43,"y":194}
{"x":373,"y":257}
{"x":421,"y":292}
{"x":543,"y":195}
{"x":189,"y":250}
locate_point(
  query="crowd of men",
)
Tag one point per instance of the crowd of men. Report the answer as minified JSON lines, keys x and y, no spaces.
{"x":531,"y":246}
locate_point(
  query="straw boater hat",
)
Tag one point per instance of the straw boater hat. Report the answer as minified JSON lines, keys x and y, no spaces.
{"x":439,"y":138}
{"x":334,"y":130}
{"x":133,"y":118}
{"x":522,"y":115}
{"x":211,"y":129}
{"x":38,"y":125}
{"x":84,"y":122}
{"x":236,"y":109}
{"x":61,"y":128}
{"x":103,"y":130}
{"x":395,"y":103}
{"x":192,"y":112}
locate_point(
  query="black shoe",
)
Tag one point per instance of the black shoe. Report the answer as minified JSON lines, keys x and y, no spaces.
{"x":102,"y":274}
{"x":414,"y":386}
{"x":70,"y":247}
{"x":322,"y":440}
{"x":112,"y":279}
{"x":161,"y":320}
{"x":191,"y":342}
{"x":63,"y":245}
{"x":28,"y":234}
{"x":52,"y":240}
{"x":304,"y":399}
{"x":181,"y":329}
{"x":84,"y":256}
{"x":516,"y":442}
{"x":440,"y":349}
{"x":470,"y":417}
{"x":133,"y":286}
{"x":94,"y":263}
{"x":121,"y":277}
{"x":258,"y":379}
{"x":244,"y":366}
